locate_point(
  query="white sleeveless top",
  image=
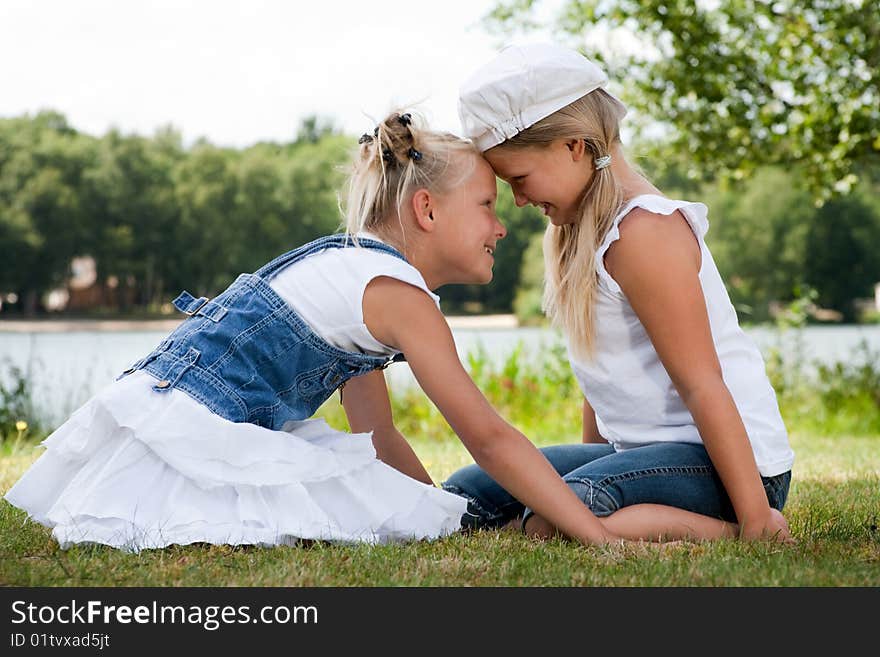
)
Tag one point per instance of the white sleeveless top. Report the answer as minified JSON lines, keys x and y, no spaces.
{"x":634,"y":399}
{"x":326,"y":289}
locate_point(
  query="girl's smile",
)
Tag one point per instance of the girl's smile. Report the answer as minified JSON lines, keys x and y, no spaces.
{"x":551,"y":178}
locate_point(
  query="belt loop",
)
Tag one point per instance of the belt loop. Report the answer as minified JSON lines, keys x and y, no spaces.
{"x":188,"y":304}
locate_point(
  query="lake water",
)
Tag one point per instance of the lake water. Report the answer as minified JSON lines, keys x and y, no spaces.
{"x":66,"y":368}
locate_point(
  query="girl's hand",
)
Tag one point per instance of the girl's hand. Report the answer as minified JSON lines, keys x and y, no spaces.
{"x":771,"y":527}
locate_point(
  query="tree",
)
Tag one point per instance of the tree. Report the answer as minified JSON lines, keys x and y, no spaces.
{"x":42,"y":222}
{"x":736,"y":84}
{"x":158,"y":217}
{"x":842,"y":252}
{"x":758,"y":236}
{"x":260,"y":208}
{"x":312,"y":182}
{"x":205,"y":193}
{"x":132,"y":211}
{"x":527,"y":304}
{"x":314,"y":128}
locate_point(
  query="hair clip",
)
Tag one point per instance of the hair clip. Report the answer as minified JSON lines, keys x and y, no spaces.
{"x":365,"y":139}
{"x":388,"y":156}
{"x":602,"y":162}
{"x":376,"y":131}
{"x":405,"y":119}
{"x":414,"y":155}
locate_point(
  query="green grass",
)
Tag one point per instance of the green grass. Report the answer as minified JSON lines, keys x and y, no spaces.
{"x":833,"y":509}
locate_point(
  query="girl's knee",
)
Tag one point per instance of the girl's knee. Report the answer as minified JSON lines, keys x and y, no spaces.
{"x":470,"y":481}
{"x":597,"y":498}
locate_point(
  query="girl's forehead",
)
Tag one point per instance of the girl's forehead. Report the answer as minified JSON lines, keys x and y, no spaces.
{"x":502,"y":159}
{"x":483,"y":175}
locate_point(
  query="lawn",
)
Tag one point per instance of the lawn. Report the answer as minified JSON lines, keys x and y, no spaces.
{"x":833,"y":510}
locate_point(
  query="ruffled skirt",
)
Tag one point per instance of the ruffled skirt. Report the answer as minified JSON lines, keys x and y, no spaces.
{"x":136,"y":469}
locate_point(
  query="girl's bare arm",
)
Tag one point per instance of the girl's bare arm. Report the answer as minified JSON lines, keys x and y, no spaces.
{"x":665,"y":292}
{"x":591,"y":429}
{"x":368,"y":408}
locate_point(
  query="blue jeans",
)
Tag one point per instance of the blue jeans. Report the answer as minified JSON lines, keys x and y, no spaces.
{"x":672,"y":474}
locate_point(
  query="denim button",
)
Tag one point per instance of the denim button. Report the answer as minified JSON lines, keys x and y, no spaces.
{"x":163,"y":384}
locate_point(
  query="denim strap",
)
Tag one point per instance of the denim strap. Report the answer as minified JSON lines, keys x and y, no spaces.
{"x":189,"y":305}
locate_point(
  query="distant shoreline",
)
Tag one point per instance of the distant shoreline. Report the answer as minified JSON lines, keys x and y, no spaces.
{"x":109,"y":325}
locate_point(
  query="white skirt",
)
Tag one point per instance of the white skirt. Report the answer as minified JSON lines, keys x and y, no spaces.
{"x":136,"y":469}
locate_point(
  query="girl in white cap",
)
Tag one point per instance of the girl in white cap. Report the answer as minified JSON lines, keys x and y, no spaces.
{"x":678,"y":410}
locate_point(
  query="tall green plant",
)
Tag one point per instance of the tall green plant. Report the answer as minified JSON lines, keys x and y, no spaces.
{"x":17,"y":417}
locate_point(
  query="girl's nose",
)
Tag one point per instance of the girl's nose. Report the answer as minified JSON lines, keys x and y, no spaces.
{"x":520,"y":199}
{"x":500,"y":230}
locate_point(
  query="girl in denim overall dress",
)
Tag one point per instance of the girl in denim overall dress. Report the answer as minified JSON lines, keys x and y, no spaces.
{"x":677,"y":410}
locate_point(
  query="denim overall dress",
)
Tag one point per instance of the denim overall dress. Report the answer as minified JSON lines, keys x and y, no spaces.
{"x":249,"y":357}
{"x":207,"y":439}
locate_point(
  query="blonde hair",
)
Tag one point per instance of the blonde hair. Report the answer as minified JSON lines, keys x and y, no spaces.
{"x":398,"y":158}
{"x":570,"y":278}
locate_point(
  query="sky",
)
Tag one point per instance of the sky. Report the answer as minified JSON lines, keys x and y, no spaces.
{"x":238,"y":72}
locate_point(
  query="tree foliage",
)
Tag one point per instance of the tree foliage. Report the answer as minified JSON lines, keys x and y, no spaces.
{"x":158,"y":217}
{"x":771,"y":243}
{"x":737,"y":84}
{"x":155,"y":216}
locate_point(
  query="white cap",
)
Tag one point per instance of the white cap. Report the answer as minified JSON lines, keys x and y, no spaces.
{"x":521,"y":86}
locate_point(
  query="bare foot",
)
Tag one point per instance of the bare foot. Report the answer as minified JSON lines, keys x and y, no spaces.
{"x":777,"y":515}
{"x":537,"y":527}
{"x":514,"y":524}
{"x":779,"y":518}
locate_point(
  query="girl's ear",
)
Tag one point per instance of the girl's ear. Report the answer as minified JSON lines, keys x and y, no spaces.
{"x":423,"y":209}
{"x":577,"y":147}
